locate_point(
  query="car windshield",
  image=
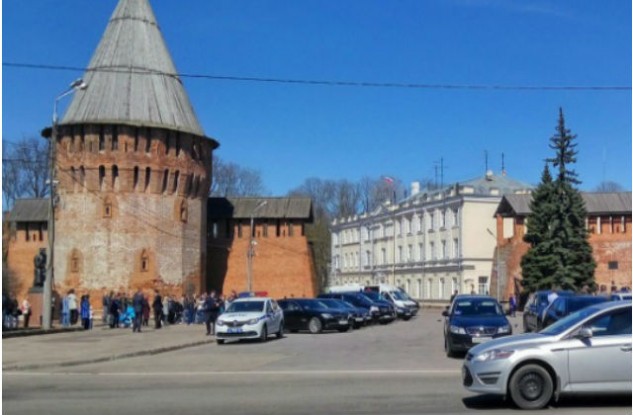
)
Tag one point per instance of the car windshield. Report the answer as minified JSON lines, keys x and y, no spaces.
{"x":373,"y":295}
{"x":313,"y":304}
{"x":246,"y":307}
{"x":567,"y":322}
{"x":331,"y":303}
{"x":579,"y":303}
{"x":477,"y":307}
{"x":399,"y":295}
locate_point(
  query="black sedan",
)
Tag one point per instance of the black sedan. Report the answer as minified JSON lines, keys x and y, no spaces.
{"x":313,"y":315}
{"x":357,"y":315}
{"x":380,"y":311}
{"x":563,"y":306}
{"x":471,"y":320}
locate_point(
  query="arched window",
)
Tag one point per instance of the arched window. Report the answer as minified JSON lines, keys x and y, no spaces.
{"x":115,"y":138}
{"x":101,"y":138}
{"x":148,"y":140}
{"x":115,"y":177}
{"x":144,"y":261}
{"x":176,"y":178}
{"x":101,"y":176}
{"x":136,"y":174}
{"x":165,"y":179}
{"x":148,"y":177}
{"x":184,"y":211}
{"x":107,"y":208}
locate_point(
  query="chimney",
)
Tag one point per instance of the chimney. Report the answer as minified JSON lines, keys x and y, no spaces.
{"x":415,"y":188}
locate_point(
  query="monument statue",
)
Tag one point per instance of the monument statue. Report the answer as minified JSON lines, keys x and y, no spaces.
{"x":40,"y":268}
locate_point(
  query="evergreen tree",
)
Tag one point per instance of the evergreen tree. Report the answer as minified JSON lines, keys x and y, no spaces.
{"x":560,"y":255}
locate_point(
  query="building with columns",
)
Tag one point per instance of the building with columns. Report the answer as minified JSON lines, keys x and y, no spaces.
{"x":431,"y":244}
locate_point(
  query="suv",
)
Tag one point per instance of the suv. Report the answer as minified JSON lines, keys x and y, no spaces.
{"x":250,"y":318}
{"x":535,"y":307}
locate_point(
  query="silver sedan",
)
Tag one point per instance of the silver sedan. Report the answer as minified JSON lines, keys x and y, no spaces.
{"x":587,"y":351}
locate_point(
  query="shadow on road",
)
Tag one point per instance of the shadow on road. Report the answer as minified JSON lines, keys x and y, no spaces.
{"x":490,"y":402}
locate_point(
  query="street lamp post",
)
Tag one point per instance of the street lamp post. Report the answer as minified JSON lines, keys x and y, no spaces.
{"x":47,"y":312}
{"x":251,"y":246}
{"x":497,"y":265}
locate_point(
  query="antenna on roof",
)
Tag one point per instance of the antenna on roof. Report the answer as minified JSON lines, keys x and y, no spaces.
{"x":503,"y":164}
{"x":486,"y":159}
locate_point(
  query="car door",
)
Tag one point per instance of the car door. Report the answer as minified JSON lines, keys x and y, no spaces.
{"x":602,"y":363}
{"x":277,"y":315}
{"x":292,"y":315}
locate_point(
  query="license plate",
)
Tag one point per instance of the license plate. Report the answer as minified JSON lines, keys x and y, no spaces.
{"x":343,"y":322}
{"x":235,"y":330}
{"x":480,"y":339}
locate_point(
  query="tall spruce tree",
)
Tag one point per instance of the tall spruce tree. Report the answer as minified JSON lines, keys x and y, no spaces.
{"x":560,"y":255}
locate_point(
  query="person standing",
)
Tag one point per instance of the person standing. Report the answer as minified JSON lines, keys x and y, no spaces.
{"x":146,"y":310}
{"x":105,"y":302}
{"x":115,"y":307}
{"x":26,"y":312}
{"x":137,"y":303}
{"x":211,"y":312}
{"x":72,"y":306}
{"x":65,"y":311}
{"x":85,"y":311}
{"x":513,"y":305}
{"x":157,"y":305}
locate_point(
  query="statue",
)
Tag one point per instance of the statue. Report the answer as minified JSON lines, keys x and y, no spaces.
{"x":40,"y":268}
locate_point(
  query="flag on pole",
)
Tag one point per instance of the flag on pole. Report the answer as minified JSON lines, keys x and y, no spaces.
{"x":388,"y":179}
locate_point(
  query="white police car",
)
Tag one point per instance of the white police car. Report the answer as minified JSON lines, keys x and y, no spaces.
{"x":250,"y":318}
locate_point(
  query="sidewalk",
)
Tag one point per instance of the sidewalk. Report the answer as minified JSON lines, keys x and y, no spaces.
{"x":100,"y":344}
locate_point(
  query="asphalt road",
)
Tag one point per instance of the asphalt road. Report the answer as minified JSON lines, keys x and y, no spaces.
{"x":395,"y":369}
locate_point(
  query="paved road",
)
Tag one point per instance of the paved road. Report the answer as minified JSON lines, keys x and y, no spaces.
{"x":394,"y":369}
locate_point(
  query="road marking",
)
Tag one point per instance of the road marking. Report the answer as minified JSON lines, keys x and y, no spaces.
{"x":385,"y":372}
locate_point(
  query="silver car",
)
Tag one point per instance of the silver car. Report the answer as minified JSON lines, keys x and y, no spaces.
{"x":587,"y":351}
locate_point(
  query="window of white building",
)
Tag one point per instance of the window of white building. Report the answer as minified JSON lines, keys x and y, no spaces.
{"x":399,"y":258}
{"x":432,"y":248}
{"x":335,"y":238}
{"x":421,"y":255}
{"x":410,"y":253}
{"x":456,"y":248}
{"x":383,"y":256}
{"x":444,"y":252}
{"x":483,"y":285}
{"x":419,"y":291}
{"x":429,"y":288}
{"x":456,"y":216}
{"x":441,"y":288}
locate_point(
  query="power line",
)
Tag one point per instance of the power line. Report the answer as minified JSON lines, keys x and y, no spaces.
{"x":472,"y":87}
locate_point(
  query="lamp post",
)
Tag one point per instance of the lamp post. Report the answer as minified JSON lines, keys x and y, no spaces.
{"x":47,"y":312}
{"x":251,"y":246}
{"x":497,"y":266}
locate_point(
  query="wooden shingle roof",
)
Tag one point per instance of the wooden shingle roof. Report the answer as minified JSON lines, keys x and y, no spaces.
{"x":275,"y":208}
{"x":595,"y":203}
{"x":131,"y":77}
{"x":29,"y":210}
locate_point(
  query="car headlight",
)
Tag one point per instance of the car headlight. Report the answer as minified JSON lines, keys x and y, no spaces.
{"x":254,"y":320}
{"x":326,"y":315}
{"x":373,"y":309}
{"x":495,"y":354}
{"x":219,"y":322}
{"x":457,"y":329}
{"x":504,"y":329}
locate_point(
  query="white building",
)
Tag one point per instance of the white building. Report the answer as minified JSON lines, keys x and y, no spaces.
{"x":431,"y":244}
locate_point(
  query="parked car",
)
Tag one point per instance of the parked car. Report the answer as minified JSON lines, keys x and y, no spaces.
{"x":358,"y":315}
{"x":535,"y":306}
{"x":379,"y":312}
{"x":588,"y":351}
{"x":250,"y":318}
{"x":564,"y":306}
{"x":620,"y":296}
{"x":313,"y":315}
{"x":402,"y":312}
{"x":473,"y":319}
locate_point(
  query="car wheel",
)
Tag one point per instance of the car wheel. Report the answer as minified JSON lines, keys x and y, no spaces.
{"x":219,"y":341}
{"x":406,"y":318}
{"x":264,"y":334}
{"x":531,"y":387}
{"x":280,"y":333}
{"x":315,"y":325}
{"x":448,"y":349}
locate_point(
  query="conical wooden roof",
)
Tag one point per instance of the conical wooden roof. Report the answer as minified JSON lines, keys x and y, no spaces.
{"x":131,"y":77}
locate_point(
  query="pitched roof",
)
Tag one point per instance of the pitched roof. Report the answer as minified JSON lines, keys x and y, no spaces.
{"x":29,"y":210}
{"x":595,"y":204}
{"x":244,"y":207}
{"x":131,"y":77}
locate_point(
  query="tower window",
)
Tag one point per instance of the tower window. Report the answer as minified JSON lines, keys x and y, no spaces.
{"x":176,"y":178}
{"x":148,"y":177}
{"x":101,"y":138}
{"x":115,"y":138}
{"x":148,"y":140}
{"x":165,"y":178}
{"x":107,"y":208}
{"x":101,"y":176}
{"x":136,"y":174}
{"x":184,"y":214}
{"x":144,"y":261}
{"x":115,"y":177}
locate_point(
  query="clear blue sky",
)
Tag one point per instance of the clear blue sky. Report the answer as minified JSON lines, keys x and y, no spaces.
{"x":293,"y":132}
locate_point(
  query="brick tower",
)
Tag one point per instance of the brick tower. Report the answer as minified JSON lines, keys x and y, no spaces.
{"x":134,"y":169}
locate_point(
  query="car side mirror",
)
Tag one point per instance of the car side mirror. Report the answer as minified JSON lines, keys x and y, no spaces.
{"x":445,"y":313}
{"x":585,"y":333}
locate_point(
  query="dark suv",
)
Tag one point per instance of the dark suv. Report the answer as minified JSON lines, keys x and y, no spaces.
{"x":535,"y":306}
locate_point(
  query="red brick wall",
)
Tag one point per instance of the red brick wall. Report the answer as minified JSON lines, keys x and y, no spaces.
{"x":613,"y":244}
{"x":282,"y":265}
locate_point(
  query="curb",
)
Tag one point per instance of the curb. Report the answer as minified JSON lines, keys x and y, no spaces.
{"x":107,"y":358}
{"x":9,"y":334}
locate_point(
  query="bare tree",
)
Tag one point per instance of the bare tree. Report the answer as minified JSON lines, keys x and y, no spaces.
{"x":609,"y":186}
{"x":24,"y":169}
{"x":232,"y":180}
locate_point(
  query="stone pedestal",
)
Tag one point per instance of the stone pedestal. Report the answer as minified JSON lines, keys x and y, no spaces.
{"x":36,"y":296}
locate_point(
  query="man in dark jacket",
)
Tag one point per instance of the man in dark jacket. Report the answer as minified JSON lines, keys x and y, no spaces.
{"x":137,"y":304}
{"x":211,"y":312}
{"x":157,"y":305}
